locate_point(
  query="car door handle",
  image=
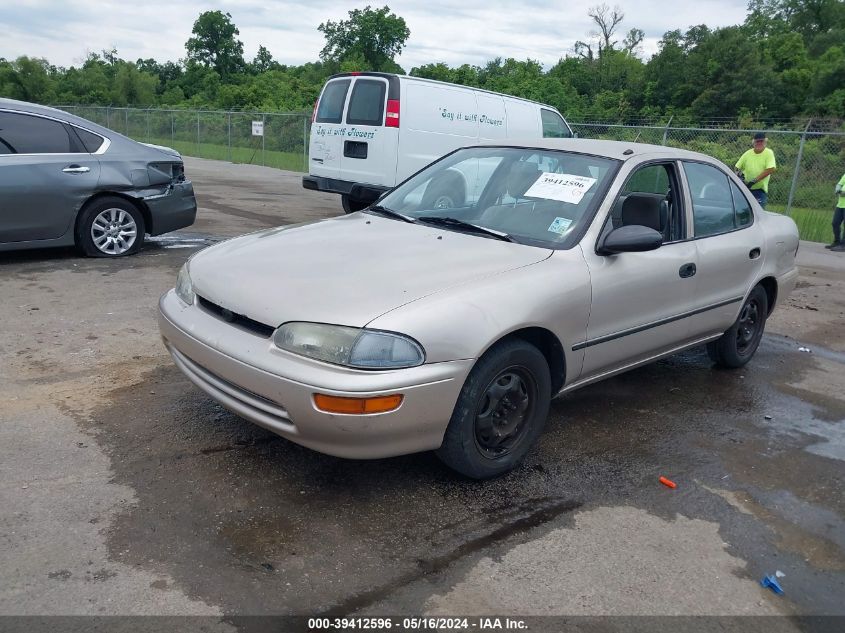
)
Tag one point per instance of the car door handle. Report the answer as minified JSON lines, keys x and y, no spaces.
{"x":687,"y":270}
{"x":76,"y":169}
{"x":754,"y":253}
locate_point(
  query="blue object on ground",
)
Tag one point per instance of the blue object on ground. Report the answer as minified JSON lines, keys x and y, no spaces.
{"x":772,"y":583}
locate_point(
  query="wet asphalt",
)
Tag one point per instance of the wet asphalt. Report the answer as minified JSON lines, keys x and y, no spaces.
{"x":210,"y":514}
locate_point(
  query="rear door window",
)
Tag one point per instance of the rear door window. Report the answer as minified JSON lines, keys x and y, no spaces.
{"x":25,"y":134}
{"x":553,"y":125}
{"x":366,"y":106}
{"x":712,"y":201}
{"x":330,"y":108}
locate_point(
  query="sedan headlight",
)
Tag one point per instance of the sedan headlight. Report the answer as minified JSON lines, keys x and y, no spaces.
{"x":184,"y":288}
{"x":348,"y":346}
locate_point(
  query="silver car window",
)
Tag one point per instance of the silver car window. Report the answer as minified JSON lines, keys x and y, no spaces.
{"x":538,"y":197}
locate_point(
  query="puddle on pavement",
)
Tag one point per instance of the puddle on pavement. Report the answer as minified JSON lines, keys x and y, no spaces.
{"x":181,"y":241}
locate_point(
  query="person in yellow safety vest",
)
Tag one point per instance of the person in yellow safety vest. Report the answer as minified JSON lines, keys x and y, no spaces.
{"x":838,"y":217}
{"x":755,"y":166}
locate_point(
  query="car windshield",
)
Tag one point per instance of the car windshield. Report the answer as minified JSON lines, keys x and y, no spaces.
{"x":532,"y":196}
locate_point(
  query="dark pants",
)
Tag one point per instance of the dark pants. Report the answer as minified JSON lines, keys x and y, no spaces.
{"x":838,"y":218}
{"x":761,"y":196}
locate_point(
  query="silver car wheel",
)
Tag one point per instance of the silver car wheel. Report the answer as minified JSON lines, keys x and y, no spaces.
{"x":114,"y":231}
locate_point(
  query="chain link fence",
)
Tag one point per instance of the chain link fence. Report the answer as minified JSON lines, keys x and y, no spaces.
{"x":219,"y":135}
{"x":810,"y":163}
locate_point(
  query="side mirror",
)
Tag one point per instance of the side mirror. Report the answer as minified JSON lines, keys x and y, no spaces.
{"x":630,"y":239}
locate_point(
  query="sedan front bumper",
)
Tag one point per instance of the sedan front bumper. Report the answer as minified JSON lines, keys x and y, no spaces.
{"x":275,"y":389}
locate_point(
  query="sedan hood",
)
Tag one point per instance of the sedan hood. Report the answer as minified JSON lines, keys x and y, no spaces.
{"x":347,"y":270}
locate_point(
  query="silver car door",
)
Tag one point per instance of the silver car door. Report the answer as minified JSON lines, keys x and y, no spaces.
{"x":641,"y":301}
{"x":729,"y":244}
{"x":45,"y":177}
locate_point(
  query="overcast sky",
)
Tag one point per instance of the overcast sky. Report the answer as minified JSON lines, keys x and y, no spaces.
{"x":451,"y":31}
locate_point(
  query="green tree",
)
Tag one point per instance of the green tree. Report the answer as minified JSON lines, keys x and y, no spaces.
{"x":374,"y":36}
{"x":263,"y":61}
{"x":214,"y":44}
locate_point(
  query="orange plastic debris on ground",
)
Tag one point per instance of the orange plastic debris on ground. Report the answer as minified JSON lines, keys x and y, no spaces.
{"x":668,"y":482}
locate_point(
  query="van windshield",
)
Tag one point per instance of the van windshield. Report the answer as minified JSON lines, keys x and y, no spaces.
{"x":534,"y":196}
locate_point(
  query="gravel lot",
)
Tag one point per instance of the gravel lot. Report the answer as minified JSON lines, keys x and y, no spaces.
{"x":125,"y":490}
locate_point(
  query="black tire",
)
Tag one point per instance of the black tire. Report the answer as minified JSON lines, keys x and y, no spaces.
{"x":500,"y":411}
{"x":93,"y":237}
{"x":444,"y":193}
{"x":737,"y":345}
{"x":351,"y":205}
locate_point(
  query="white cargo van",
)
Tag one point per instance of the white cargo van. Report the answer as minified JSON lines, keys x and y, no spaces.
{"x":370,"y":131}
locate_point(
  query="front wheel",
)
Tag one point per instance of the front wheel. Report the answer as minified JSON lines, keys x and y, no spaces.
{"x":737,"y":345}
{"x":110,"y":227}
{"x":500,"y":411}
{"x":351,"y":205}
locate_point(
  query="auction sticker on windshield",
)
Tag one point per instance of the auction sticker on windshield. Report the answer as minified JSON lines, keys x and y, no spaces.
{"x":562,"y":187}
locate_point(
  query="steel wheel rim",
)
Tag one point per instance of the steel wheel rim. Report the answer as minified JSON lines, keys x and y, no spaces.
{"x":501,"y":418}
{"x":748,"y":327}
{"x":114,"y":231}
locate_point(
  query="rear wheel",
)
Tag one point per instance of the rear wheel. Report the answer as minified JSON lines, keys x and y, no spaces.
{"x":351,"y":205}
{"x":110,"y":227}
{"x":738,"y":344}
{"x":446,"y":192}
{"x":500,"y":412}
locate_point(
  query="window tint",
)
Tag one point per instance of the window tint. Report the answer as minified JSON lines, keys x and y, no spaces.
{"x":553,"y":125}
{"x":91,"y":141}
{"x":24,"y":134}
{"x":742,"y":208}
{"x":366,"y":107}
{"x":330,"y":108}
{"x":712,"y":204}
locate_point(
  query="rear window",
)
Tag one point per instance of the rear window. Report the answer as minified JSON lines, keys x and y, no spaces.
{"x":553,"y":125}
{"x":366,"y":107}
{"x":330,"y":109}
{"x":25,"y":134}
{"x":91,"y":141}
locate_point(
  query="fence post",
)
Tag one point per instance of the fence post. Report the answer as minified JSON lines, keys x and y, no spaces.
{"x":666,"y":129}
{"x":108,"y":117}
{"x":263,"y":136}
{"x":172,"y":127}
{"x":198,"y":132}
{"x":797,"y":168}
{"x":305,"y":143}
{"x":126,"y":120}
{"x":229,"y":135}
{"x":148,"y":125}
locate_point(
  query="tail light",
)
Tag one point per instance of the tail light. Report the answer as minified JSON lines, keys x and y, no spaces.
{"x":391,"y":119}
{"x":314,"y":113}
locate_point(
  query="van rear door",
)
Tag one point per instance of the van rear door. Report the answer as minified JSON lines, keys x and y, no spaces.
{"x":325,"y":149}
{"x":370,"y":138}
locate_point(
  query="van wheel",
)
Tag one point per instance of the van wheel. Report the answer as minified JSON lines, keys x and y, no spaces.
{"x":736,"y":346}
{"x":500,"y":411}
{"x":110,"y":227}
{"x":351,"y":205}
{"x":444,"y":193}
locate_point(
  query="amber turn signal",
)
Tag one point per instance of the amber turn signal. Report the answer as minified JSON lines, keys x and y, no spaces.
{"x":357,"y":406}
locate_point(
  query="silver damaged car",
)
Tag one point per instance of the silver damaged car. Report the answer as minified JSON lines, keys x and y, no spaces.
{"x":449,"y":322}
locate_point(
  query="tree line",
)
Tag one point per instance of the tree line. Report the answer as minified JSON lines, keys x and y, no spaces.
{"x":786,"y":60}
